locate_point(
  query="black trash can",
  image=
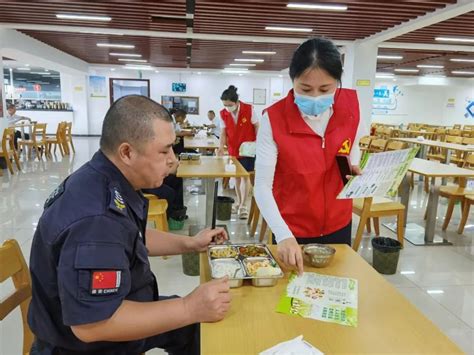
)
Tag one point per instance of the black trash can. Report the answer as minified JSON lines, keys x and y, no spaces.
{"x":190,"y":261}
{"x":386,"y":252}
{"x":224,"y":208}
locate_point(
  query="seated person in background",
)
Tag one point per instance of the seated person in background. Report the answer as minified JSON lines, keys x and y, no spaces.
{"x":172,"y":191}
{"x":93,"y":291}
{"x":215,"y":124}
{"x":179,"y":117}
{"x":13,"y":119}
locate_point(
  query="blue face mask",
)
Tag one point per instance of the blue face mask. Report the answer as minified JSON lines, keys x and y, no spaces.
{"x":314,"y":106}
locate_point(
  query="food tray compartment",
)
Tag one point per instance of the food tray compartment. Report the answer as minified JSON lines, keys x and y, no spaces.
{"x":223,"y":252}
{"x":227,"y":267}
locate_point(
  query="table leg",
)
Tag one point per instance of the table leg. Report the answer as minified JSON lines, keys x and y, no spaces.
{"x":444,"y":181}
{"x":423,"y":151}
{"x":209,"y":188}
{"x":432,"y":211}
{"x":404,"y":192}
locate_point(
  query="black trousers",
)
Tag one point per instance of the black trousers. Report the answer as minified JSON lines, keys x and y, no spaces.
{"x":172,"y":191}
{"x":342,"y":236}
{"x":18,"y":136}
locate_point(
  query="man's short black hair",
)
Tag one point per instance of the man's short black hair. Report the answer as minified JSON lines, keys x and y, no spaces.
{"x":211,"y":111}
{"x":11,"y":106}
{"x":180,"y":113}
{"x":129,"y":119}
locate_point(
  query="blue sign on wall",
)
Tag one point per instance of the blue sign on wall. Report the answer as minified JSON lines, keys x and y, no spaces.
{"x":382,"y":93}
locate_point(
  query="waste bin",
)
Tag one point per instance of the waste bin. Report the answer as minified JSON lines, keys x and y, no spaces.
{"x":386,"y":252}
{"x":190,"y":261}
{"x":224,"y":208}
{"x":176,"y":218}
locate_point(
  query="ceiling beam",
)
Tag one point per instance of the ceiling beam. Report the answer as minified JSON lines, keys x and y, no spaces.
{"x":427,"y":46}
{"x":161,"y":34}
{"x":450,"y":11}
{"x":26,"y":49}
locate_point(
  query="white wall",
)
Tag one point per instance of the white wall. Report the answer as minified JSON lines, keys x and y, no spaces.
{"x":417,"y":100}
{"x":425,"y":100}
{"x":207,"y":86}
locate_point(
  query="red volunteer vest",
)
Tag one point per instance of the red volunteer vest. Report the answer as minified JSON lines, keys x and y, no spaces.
{"x":307,"y":179}
{"x":243,"y":131}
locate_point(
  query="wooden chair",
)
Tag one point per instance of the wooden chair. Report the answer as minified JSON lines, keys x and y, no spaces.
{"x":441,"y":156}
{"x":157,"y":212}
{"x":457,"y":126}
{"x":37,"y":140}
{"x":375,"y":208}
{"x":8,"y":151}
{"x":13,"y":265}
{"x":377,"y":145}
{"x":58,"y":140}
{"x":68,"y":136}
{"x":456,"y":193}
{"x":395,"y":145}
{"x":453,"y":132}
{"x":467,"y":202}
{"x":364,"y":143}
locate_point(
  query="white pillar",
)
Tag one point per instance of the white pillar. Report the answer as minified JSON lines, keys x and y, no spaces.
{"x":360,"y":65}
{"x":3,"y":108}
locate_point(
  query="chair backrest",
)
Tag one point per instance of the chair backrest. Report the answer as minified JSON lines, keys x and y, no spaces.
{"x":454,"y":139}
{"x":457,"y":126}
{"x":468,"y":140}
{"x":454,"y":132}
{"x":8,"y":141}
{"x":39,"y":132}
{"x":395,"y":145}
{"x":61,"y":132}
{"x":377,"y":145}
{"x":468,"y":127}
{"x":469,"y":161}
{"x":13,"y":265}
{"x":69,"y":130}
{"x":364,"y":142}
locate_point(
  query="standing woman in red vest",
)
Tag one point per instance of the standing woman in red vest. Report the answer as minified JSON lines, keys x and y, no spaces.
{"x":297,"y":178}
{"x":239,"y":125}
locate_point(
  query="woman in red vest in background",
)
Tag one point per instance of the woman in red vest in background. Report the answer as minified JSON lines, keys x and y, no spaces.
{"x":297,"y":178}
{"x":239,"y":125}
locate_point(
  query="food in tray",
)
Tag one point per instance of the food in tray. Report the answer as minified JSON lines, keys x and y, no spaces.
{"x":262,"y":268}
{"x":252,"y":251}
{"x":231,"y":268}
{"x":223,"y":252}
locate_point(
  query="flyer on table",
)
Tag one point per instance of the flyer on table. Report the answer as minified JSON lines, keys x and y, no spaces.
{"x":321,"y":297}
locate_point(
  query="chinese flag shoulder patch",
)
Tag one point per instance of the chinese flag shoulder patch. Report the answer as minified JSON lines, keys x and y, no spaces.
{"x":105,"y":282}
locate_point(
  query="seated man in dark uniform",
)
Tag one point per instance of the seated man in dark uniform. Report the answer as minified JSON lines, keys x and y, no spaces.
{"x":93,"y":290}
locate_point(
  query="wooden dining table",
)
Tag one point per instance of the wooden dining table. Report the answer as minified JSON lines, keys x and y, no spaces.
{"x":387,"y":321}
{"x":431,"y":143}
{"x":209,"y":142}
{"x":210,"y":168}
{"x":425,"y":235}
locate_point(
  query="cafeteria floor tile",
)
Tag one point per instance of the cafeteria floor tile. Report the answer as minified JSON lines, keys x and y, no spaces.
{"x":438,"y":280}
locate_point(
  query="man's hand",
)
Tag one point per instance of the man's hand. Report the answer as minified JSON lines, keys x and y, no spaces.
{"x":289,"y":252}
{"x":201,"y":241}
{"x":209,"y":302}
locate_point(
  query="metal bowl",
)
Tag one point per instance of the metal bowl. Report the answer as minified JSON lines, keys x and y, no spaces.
{"x":318,"y":255}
